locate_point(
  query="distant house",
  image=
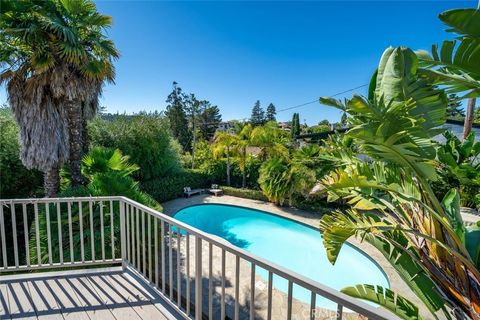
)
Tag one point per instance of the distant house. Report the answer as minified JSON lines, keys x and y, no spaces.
{"x":284,"y":125}
{"x":226,"y":126}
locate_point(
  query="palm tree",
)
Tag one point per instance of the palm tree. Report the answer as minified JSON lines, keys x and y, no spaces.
{"x":270,"y":139}
{"x":54,"y":59}
{"x":244,"y":140}
{"x":225,"y":144}
{"x":280,"y":178}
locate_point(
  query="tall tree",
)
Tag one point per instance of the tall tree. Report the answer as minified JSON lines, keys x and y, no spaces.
{"x":295,"y":130}
{"x":176,"y":114}
{"x":271,"y":113}
{"x":192,"y":108}
{"x":209,"y":118}
{"x":454,"y":109}
{"x":258,"y":115}
{"x":55,"y":59}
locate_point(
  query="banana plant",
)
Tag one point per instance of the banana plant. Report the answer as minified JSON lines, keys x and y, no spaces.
{"x":392,"y":202}
{"x":456,"y":63}
{"x":386,"y":298}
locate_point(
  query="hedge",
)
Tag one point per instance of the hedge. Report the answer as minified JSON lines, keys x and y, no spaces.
{"x":244,"y":193}
{"x":171,"y":187}
{"x":312,"y":204}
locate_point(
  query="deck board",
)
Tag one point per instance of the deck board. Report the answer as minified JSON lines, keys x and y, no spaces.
{"x":44,"y":300}
{"x":137,"y":297}
{"x":111,"y":295}
{"x":68,"y":300}
{"x":4,"y":313}
{"x":117,"y":304}
{"x":20,"y":303}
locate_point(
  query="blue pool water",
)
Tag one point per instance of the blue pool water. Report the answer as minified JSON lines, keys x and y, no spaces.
{"x":287,"y":243}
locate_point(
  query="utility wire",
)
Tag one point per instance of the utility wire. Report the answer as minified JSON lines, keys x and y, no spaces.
{"x":300,"y":105}
{"x":316,"y":100}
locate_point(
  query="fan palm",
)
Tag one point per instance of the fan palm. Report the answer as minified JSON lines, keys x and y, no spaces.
{"x":55,"y":59}
{"x":108,"y":172}
{"x":415,"y":231}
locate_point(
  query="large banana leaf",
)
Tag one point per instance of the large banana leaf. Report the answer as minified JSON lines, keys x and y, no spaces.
{"x":463,"y":21}
{"x":386,"y":298}
{"x":397,"y":82}
{"x":401,"y":115}
{"x":472,"y":242}
{"x":451,"y":203}
{"x":456,"y":66}
{"x":338,"y":227}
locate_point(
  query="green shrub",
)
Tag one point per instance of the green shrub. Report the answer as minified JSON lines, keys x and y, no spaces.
{"x":458,"y":167}
{"x":244,"y":193}
{"x":108,"y":173}
{"x":313,"y":204}
{"x":217,"y":171}
{"x":145,"y":138}
{"x":171,"y":187}
{"x":16,"y":181}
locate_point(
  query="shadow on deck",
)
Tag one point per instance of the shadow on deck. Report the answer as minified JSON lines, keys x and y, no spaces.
{"x":81,"y":294}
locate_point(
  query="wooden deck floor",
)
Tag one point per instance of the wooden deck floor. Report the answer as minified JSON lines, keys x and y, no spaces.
{"x":98,"y":295}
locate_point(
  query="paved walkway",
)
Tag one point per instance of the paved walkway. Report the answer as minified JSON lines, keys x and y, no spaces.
{"x":300,"y":310}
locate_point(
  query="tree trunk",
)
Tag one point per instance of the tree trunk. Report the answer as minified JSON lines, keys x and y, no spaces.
{"x":467,"y":126}
{"x":84,"y":137}
{"x":228,"y":167}
{"x":51,"y":181}
{"x":193,"y":146}
{"x":75,"y":135}
{"x":244,"y":173}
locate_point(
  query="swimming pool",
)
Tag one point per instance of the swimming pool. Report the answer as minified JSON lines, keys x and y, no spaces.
{"x":287,"y":243}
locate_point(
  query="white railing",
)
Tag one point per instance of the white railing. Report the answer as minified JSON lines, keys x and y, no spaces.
{"x":175,"y":258}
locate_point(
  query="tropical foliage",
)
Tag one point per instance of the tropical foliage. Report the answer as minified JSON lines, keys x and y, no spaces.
{"x":393,"y":128}
{"x":280,"y":179}
{"x":459,"y":167}
{"x":455,"y":63}
{"x":108,"y":172}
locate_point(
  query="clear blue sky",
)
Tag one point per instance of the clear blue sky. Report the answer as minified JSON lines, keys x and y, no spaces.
{"x":234,"y":53}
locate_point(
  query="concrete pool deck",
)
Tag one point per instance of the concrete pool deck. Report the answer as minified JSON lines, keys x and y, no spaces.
{"x":309,"y":218}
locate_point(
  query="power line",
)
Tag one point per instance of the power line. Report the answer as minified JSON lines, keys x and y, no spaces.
{"x":316,"y":100}
{"x":301,"y":105}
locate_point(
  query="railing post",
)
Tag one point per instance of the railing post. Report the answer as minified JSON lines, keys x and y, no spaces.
{"x":122,"y":233}
{"x":198,"y":278}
